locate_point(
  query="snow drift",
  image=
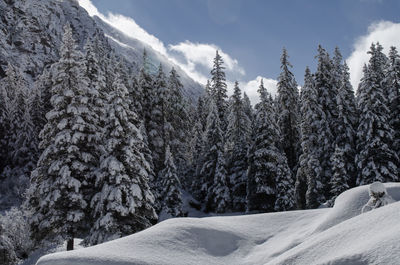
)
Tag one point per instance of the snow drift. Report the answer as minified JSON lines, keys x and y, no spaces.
{"x":340,"y":235}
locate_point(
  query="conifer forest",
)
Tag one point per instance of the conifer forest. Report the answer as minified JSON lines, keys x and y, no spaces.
{"x":98,"y":147}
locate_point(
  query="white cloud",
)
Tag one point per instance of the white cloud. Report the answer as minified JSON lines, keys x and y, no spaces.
{"x":204,"y":54}
{"x":385,"y":32}
{"x":197,"y":60}
{"x":251,"y":88}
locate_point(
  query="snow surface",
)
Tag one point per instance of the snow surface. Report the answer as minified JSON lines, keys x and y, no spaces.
{"x":338,"y":235}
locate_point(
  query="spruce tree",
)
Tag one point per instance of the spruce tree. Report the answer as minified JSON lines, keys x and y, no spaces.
{"x":340,"y":179}
{"x":178,"y":120}
{"x":343,"y":159}
{"x":324,"y":85}
{"x":219,"y":89}
{"x":145,"y":86}
{"x":214,"y":189}
{"x":124,"y":203}
{"x":156,"y":126}
{"x":18,"y":138}
{"x":392,"y":82}
{"x":67,"y":161}
{"x":25,"y":153}
{"x":376,"y":160}
{"x":196,"y":145}
{"x":267,"y":164}
{"x":247,"y":108}
{"x":236,"y":146}
{"x":12,"y":84}
{"x":201,"y":111}
{"x":308,"y":187}
{"x":288,"y":112}
{"x":170,"y":193}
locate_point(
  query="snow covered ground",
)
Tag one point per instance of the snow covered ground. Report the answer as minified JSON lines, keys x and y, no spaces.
{"x":339,"y":235}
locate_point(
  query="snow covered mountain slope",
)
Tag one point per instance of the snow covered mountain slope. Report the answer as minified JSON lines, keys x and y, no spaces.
{"x":31,"y":32}
{"x":340,"y":235}
{"x":132,"y":50}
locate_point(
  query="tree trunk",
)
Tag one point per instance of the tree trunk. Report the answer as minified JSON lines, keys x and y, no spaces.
{"x":70,"y":244}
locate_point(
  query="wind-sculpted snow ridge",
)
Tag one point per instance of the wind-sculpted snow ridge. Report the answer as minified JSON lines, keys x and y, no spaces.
{"x":341,"y":235}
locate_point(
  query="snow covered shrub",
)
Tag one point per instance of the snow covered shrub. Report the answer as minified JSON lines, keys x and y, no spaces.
{"x":16,"y":231}
{"x":378,"y":197}
{"x":7,"y":253}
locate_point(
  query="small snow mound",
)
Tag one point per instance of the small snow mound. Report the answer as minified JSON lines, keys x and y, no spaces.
{"x":378,"y":197}
{"x":350,"y":203}
{"x":376,"y":187}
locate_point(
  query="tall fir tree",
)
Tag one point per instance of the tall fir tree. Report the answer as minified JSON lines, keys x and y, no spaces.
{"x":18,"y":140}
{"x":308,"y":187}
{"x":288,"y":112}
{"x":214,"y":189}
{"x":177,"y":118}
{"x":196,"y":145}
{"x":145,"y":86}
{"x":219,"y":89}
{"x":392,"y":82}
{"x":13,"y":110}
{"x":376,"y":160}
{"x":267,"y":164}
{"x":343,"y":159}
{"x":124,"y":203}
{"x":247,"y":108}
{"x":236,"y":147}
{"x":42,"y":104}
{"x":67,"y":161}
{"x":170,"y":193}
{"x":327,"y":92}
{"x":157,"y":124}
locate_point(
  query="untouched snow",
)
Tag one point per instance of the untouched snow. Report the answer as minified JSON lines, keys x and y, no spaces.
{"x":339,"y":235}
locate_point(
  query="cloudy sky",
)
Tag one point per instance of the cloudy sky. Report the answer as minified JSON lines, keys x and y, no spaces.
{"x":251,"y":33}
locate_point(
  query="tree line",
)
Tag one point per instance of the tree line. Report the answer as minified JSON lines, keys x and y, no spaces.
{"x":94,"y":150}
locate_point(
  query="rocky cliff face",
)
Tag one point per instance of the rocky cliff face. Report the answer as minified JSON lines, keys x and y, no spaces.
{"x":31,"y":32}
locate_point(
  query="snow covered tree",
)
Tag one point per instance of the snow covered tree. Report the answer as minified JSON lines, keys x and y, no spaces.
{"x":67,"y":161}
{"x":288,"y":112}
{"x":124,"y":203}
{"x":324,"y":85}
{"x":201,"y":111}
{"x":41,"y":103}
{"x":308,"y":187}
{"x":340,"y":179}
{"x":145,"y":86}
{"x":392,"y":82}
{"x":25,"y":154}
{"x":18,"y":138}
{"x":219,"y":198}
{"x":178,"y":120}
{"x":156,"y":126}
{"x":12,"y":113}
{"x":170,"y":193}
{"x":343,"y":160}
{"x":376,"y":160}
{"x":219,"y":88}
{"x":195,"y":148}
{"x":247,"y":108}
{"x":267,"y":164}
{"x":214,"y":188}
{"x":237,"y":137}
{"x":15,"y":227}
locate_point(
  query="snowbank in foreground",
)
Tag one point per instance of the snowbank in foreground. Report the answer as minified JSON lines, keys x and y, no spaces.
{"x":325,"y":236}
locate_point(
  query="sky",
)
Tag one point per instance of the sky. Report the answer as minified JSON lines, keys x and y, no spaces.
{"x":250,"y":34}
